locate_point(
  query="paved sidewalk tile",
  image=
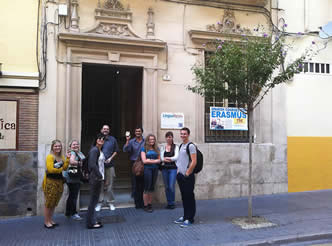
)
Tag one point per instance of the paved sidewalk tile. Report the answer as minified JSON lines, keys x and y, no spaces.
{"x":296,"y":215}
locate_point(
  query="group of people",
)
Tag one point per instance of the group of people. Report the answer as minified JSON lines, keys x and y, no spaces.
{"x":175,"y":162}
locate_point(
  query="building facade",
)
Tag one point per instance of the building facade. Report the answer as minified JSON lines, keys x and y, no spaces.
{"x":19,"y":83}
{"x":126,"y":63}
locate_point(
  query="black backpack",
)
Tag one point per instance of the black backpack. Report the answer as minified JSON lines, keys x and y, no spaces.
{"x":85,"y":169}
{"x":199,"y":156}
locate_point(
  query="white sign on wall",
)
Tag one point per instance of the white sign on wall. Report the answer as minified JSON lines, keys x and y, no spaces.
{"x":172,"y":120}
{"x":8,"y":124}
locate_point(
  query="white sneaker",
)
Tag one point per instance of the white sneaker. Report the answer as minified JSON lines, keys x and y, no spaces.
{"x":112,"y":207}
{"x":76,"y":217}
{"x":98,"y":207}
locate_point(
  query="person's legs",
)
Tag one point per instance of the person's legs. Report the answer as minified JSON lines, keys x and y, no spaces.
{"x":47,"y":216}
{"x":165,"y":173}
{"x":95,"y":189}
{"x":139,"y":192}
{"x":109,"y":195}
{"x":189,"y":203}
{"x":74,"y":189}
{"x":147,"y":184}
{"x":180,"y":178}
{"x":171,"y":186}
{"x":133,"y":180}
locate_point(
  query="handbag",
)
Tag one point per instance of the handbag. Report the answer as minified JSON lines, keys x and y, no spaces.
{"x":138,"y":167}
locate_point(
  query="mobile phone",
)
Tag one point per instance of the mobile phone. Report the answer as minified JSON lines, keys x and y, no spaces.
{"x":127,"y":133}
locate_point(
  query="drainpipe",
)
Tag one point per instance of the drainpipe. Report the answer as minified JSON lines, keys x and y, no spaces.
{"x":306,"y":15}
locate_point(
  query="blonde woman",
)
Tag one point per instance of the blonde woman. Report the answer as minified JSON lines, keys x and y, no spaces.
{"x":150,"y":156}
{"x":73,"y":179}
{"x":53,"y":181}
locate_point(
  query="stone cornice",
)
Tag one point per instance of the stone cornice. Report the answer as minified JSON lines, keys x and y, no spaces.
{"x":202,"y":37}
{"x":107,"y":39}
{"x":243,"y":5}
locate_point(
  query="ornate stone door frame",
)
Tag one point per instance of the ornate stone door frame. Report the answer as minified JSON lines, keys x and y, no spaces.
{"x":70,"y":82}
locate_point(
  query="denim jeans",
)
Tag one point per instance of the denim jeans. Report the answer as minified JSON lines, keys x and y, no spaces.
{"x":187,"y":185}
{"x":150,"y":178}
{"x":169,"y":177}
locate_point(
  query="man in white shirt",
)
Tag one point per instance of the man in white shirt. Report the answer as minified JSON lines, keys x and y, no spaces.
{"x":186,"y":179}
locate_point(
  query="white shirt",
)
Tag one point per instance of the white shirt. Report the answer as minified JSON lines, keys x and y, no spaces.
{"x":101,"y":161}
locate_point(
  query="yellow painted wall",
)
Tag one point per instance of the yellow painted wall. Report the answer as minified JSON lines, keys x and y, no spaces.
{"x":18,"y":35}
{"x":309,"y":163}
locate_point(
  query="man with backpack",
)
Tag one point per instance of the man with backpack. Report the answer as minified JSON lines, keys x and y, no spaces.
{"x":186,"y":178}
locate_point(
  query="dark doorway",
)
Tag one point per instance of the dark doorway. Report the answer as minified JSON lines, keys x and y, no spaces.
{"x":111,"y":95}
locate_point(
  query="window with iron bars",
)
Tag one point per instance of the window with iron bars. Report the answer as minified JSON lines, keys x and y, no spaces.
{"x":213,"y":136}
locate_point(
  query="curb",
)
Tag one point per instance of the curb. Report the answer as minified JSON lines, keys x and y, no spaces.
{"x":286,"y":239}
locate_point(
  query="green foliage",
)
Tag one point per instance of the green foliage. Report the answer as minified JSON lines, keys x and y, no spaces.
{"x":244,"y":71}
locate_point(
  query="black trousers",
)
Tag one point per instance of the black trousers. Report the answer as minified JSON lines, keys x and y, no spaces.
{"x":187,"y":185}
{"x":139,"y":188}
{"x":133,"y":180}
{"x":95,"y":189}
{"x":74,"y":189}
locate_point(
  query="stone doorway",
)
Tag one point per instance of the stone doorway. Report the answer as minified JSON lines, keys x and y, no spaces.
{"x":111,"y":94}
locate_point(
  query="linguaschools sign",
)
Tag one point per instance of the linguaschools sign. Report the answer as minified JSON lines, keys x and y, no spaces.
{"x":222,"y":118}
{"x":172,"y":120}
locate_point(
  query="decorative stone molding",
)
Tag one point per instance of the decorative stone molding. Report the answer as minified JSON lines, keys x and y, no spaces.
{"x":116,"y":14}
{"x":113,"y":29}
{"x":74,"y":17}
{"x":228,"y":25}
{"x":113,"y":20}
{"x":150,"y":25}
{"x":220,"y":3}
{"x":112,"y":26}
{"x":94,"y":39}
{"x":113,"y":4}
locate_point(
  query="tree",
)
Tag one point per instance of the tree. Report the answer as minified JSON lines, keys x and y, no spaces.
{"x":243,"y":72}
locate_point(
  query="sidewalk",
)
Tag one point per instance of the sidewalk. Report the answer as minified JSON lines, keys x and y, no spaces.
{"x":299,"y":216}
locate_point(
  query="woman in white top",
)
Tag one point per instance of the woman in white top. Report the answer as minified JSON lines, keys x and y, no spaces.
{"x":169,"y":154}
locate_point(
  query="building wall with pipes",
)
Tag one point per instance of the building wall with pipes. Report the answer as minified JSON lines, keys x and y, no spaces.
{"x":309,"y":131}
{"x":19,"y":82}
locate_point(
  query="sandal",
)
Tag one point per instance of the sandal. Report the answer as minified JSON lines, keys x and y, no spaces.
{"x":49,"y":227}
{"x":95,"y":226}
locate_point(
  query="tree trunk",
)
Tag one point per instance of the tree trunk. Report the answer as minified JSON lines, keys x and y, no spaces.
{"x":251,"y":136}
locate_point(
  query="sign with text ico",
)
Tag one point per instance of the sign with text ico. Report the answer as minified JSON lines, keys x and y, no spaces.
{"x":8,"y":124}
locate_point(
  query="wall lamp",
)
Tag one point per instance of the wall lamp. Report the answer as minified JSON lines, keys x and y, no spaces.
{"x":0,"y":69}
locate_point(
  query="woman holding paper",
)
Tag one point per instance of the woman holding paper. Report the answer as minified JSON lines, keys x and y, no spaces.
{"x":53,"y":181}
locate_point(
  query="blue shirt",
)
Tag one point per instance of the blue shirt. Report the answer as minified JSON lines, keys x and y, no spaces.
{"x":110,"y":146}
{"x":150,"y":154}
{"x":133,"y":148}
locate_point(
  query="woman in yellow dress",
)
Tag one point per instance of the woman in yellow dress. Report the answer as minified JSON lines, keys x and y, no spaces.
{"x":53,"y":181}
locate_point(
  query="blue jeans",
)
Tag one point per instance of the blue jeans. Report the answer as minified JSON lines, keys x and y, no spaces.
{"x":150,"y":178}
{"x":169,"y":176}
